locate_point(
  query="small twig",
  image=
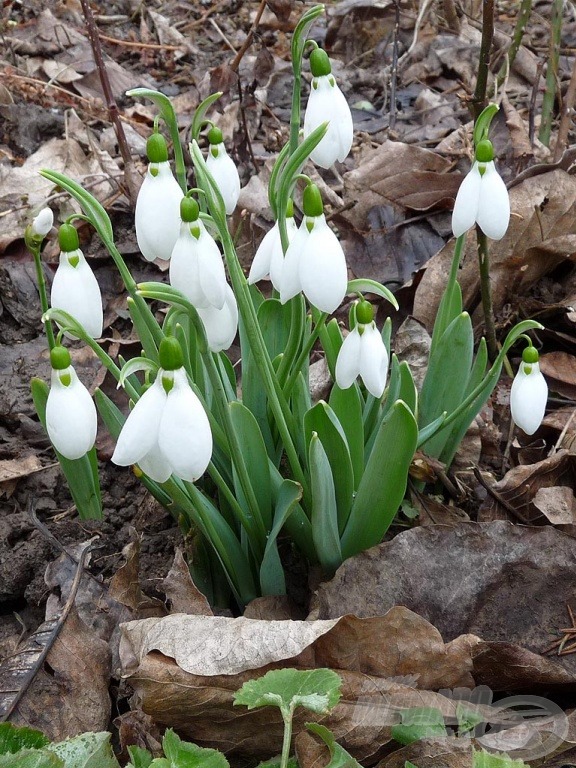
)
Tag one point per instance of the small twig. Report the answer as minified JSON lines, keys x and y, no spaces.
{"x":486,"y":293}
{"x":567,"y":116}
{"x":479,"y":99}
{"x":223,"y":36}
{"x":134,"y":44}
{"x":532,"y":108}
{"x":451,"y":16}
{"x":245,"y":126}
{"x":499,"y":498}
{"x":249,"y":37}
{"x":523,"y":16}
{"x":551,"y":72}
{"x":394,"y":72}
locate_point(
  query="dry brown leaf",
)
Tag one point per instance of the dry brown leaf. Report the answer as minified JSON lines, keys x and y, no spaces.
{"x":125,"y":588}
{"x":272,"y":608}
{"x":432,"y":753}
{"x":557,"y":504}
{"x":560,"y":371}
{"x":311,"y":752}
{"x":14,"y":469}
{"x":183,"y":595}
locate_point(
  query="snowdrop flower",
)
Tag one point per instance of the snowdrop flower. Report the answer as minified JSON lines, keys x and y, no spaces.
{"x":222,"y":167}
{"x":75,"y":288}
{"x":43,"y":222}
{"x":168,"y":431}
{"x":315,"y":263}
{"x":157,"y":215}
{"x":327,"y":103}
{"x":529,"y":393}
{"x":71,"y":419}
{"x":482,"y":198}
{"x":221,"y":325}
{"x":269,"y":258}
{"x":196,"y":265}
{"x":363,"y":354}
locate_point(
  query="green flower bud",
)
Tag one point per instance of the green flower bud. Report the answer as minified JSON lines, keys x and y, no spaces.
{"x":170,"y":354}
{"x":320,"y":63}
{"x":530,"y":355}
{"x":312,"y":201}
{"x":189,"y":209}
{"x":157,"y":149}
{"x":68,"y":238}
{"x":60,"y":358}
{"x":485,"y":151}
{"x":215,"y":135}
{"x":364,"y":312}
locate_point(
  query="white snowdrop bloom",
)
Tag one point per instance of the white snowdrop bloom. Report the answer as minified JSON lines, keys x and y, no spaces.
{"x":71,"y":419}
{"x":168,"y":431}
{"x":529,"y":393}
{"x":196,"y":265}
{"x":223,"y":169}
{"x":221,"y":325}
{"x":269,"y":258}
{"x":363,"y":354}
{"x":327,"y":103}
{"x":158,"y":212}
{"x":43,"y":222}
{"x":75,"y":288}
{"x":290,"y":283}
{"x":482,"y":198}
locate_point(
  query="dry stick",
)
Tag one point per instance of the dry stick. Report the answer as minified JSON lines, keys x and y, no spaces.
{"x":394,"y":73}
{"x":567,"y":114}
{"x":523,"y":16}
{"x":248,"y":42}
{"x":451,"y":16}
{"x":479,"y":98}
{"x":113,"y":113}
{"x":551,"y":73}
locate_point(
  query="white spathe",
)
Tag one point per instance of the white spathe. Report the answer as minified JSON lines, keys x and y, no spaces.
{"x":225,"y":173}
{"x":482,"y":199}
{"x":158,"y":212}
{"x":43,"y":222}
{"x":196,"y":267}
{"x":528,"y":397}
{"x":269,"y":258}
{"x":76,"y":291}
{"x":365,"y":355}
{"x":167,"y":433}
{"x":221,"y":325}
{"x":71,"y":419}
{"x":327,"y":103}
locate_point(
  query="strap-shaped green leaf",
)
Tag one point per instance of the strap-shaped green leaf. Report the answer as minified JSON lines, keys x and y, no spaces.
{"x":272,"y":581}
{"x":384,"y":482}
{"x":365,"y":285}
{"x":347,"y":407}
{"x":81,"y":474}
{"x":331,"y":340}
{"x":324,"y":516}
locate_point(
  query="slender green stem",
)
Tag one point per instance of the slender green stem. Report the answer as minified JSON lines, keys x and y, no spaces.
{"x":551,"y":72}
{"x":297,"y":322}
{"x":523,"y":16}
{"x":486,"y":293}
{"x":287,"y":740}
{"x":479,"y":99}
{"x":304,"y":353}
{"x":41,"y":280}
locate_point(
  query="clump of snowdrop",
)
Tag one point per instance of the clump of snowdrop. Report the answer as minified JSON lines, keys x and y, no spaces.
{"x":222,"y":168}
{"x":315,"y":263}
{"x":71,"y":419}
{"x":168,"y":431}
{"x":482,"y":197}
{"x":157,"y":215}
{"x":529,"y":393}
{"x":75,"y":288}
{"x":327,"y":103}
{"x":269,"y":258}
{"x":363,"y":354}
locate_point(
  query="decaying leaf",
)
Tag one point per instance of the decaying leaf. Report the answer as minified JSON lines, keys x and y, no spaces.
{"x":181,"y":592}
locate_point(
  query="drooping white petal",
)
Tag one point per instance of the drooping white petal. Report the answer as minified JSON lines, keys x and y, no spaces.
{"x":221,"y":325}
{"x":42,"y":223}
{"x":277,"y":259}
{"x":348,"y":361}
{"x":76,"y":291}
{"x":290,"y":283}
{"x":327,"y":103}
{"x":466,"y":204}
{"x":156,"y":465}
{"x":373,"y":360}
{"x":197,"y":269}
{"x":185,"y":437}
{"x":323,"y":271}
{"x":139,"y":434}
{"x":528,"y":398}
{"x":493,"y":204}
{"x":158,"y":213}
{"x":225,"y":174}
{"x":71,"y":419}
{"x":260,"y":266}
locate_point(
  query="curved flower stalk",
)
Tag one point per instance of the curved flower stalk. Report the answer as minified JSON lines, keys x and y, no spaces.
{"x":75,"y":288}
{"x":196,"y":265}
{"x":168,"y":431}
{"x":157,"y":214}
{"x":222,"y":168}
{"x":71,"y":419}
{"x":482,"y":197}
{"x":529,"y":393}
{"x":315,"y":263}
{"x":269,"y":258}
{"x":327,"y":103}
{"x":363,"y":354}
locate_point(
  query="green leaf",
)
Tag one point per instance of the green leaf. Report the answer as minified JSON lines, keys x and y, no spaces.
{"x":331,"y":340}
{"x":487,"y":760}
{"x":364,"y":285}
{"x":139,"y":757}
{"x":32,"y":758}
{"x":407,"y":391}
{"x":13,"y":739}
{"x":200,"y":114}
{"x":324,"y":515}
{"x":316,"y":689}
{"x":347,"y":407}
{"x":384,"y":482}
{"x":272,"y":581}
{"x":339,"y":758}
{"x":276,"y":762}
{"x":419,"y":723}
{"x":81,"y":474}
{"x":88,"y":750}
{"x":183,"y":754}
{"x":408,"y":764}
{"x":139,"y":320}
